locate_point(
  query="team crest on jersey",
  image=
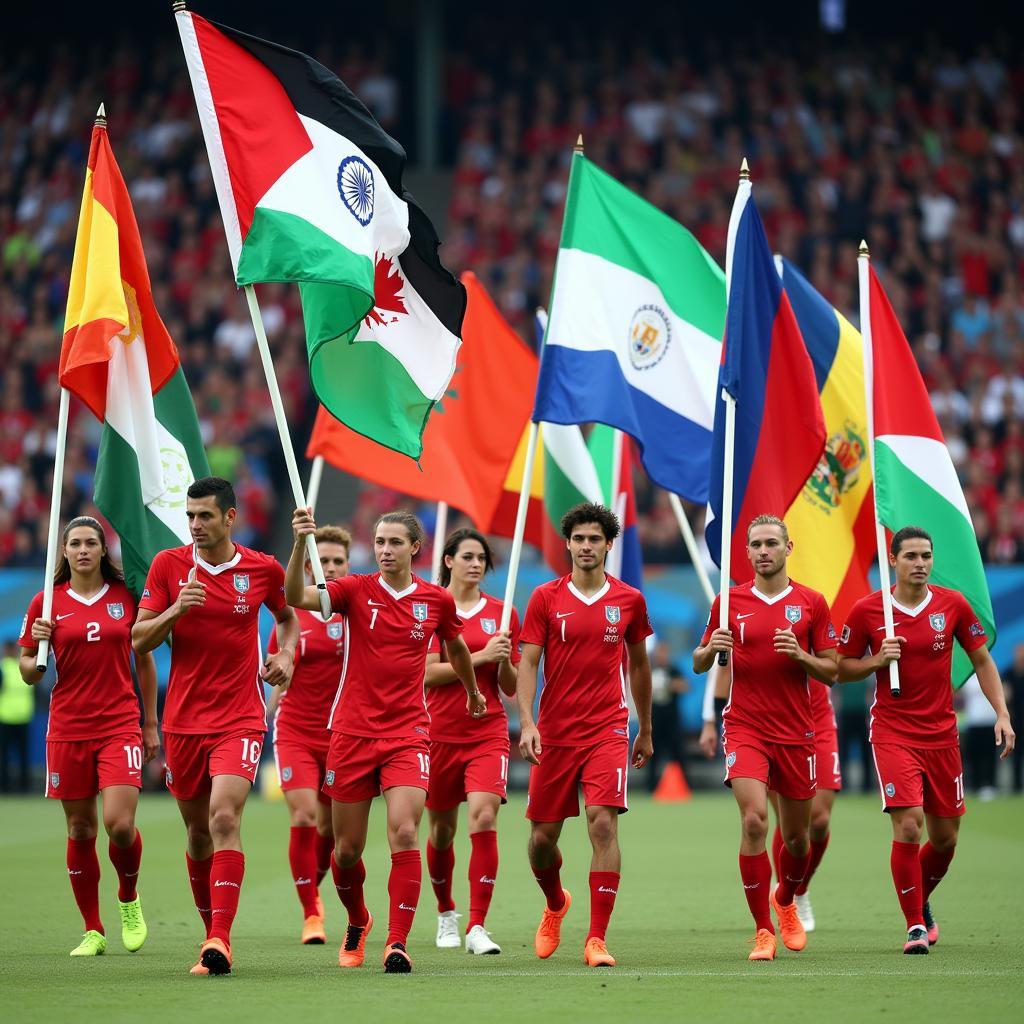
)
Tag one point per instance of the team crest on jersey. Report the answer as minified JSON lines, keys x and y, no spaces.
{"x":146,"y":593}
{"x":54,"y":779}
{"x":612,"y":613}
{"x":845,"y":635}
{"x":419,"y":611}
{"x":334,"y":630}
{"x":794,"y":612}
{"x":890,"y":790}
{"x":329,"y":777}
{"x":730,"y":760}
{"x":241,"y":580}
{"x":116,"y":611}
{"x":168,"y":776}
{"x":937,"y":621}
{"x":286,"y":775}
{"x":489,"y":626}
{"x":831,"y":631}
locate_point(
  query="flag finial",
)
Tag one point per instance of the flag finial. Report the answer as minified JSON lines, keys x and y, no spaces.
{"x":178,"y":6}
{"x":863,"y":250}
{"x":578,"y":148}
{"x":101,"y":117}
{"x":744,"y":170}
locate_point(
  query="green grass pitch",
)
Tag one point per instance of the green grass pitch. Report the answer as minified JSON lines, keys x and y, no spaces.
{"x":680,"y":931}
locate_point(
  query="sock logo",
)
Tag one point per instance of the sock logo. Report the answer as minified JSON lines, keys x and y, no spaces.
{"x":438,"y":881}
{"x":487,"y":881}
{"x":221,"y":882}
{"x":903,"y":892}
{"x":613,"y":892}
{"x":402,"y":906}
{"x":303,"y":881}
{"x":71,"y":872}
{"x":754,"y":886}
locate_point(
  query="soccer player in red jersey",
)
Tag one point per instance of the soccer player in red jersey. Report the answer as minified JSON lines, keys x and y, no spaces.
{"x":299,"y":715}
{"x":93,"y":741}
{"x":206,"y":597}
{"x":469,"y":757}
{"x":914,"y":736}
{"x":780,"y":638}
{"x":583,"y":624}
{"x":379,"y":723}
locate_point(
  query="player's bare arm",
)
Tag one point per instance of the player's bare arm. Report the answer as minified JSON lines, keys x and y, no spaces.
{"x":992,"y":686}
{"x":42,"y":629}
{"x":277,"y":668}
{"x":498,"y":649}
{"x":640,"y":687}
{"x":710,"y":731}
{"x":462,"y":662}
{"x":820,"y":665}
{"x":152,"y":629}
{"x":145,"y":669}
{"x":508,"y":674}
{"x":296,"y":593}
{"x":526,"y":692}
{"x":852,"y":670}
{"x":703,"y":657}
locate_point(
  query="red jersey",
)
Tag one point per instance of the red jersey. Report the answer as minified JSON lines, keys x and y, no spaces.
{"x":92,"y":644}
{"x":215,"y":683}
{"x":584,"y":695}
{"x":823,"y":715}
{"x":305,"y":706}
{"x":381,"y":689}
{"x":770,"y":693}
{"x":923,"y":713}
{"x":449,"y":720}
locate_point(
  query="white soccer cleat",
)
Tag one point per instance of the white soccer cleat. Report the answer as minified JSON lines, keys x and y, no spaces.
{"x":479,"y":941}
{"x":804,"y":911}
{"x":448,"y":930}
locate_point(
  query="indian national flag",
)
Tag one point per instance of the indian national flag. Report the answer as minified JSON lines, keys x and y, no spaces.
{"x":310,"y":190}
{"x":915,"y":480}
{"x":118,"y":358}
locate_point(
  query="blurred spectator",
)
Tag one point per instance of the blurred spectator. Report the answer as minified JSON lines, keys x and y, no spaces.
{"x":980,"y":754}
{"x":668,"y":685}
{"x":17,"y":705}
{"x":1013,"y":685}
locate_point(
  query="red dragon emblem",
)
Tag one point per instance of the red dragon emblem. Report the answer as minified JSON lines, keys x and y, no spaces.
{"x":387,"y":294}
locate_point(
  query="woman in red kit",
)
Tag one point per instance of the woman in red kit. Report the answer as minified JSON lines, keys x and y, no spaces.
{"x":93,"y":741}
{"x":469,"y":756}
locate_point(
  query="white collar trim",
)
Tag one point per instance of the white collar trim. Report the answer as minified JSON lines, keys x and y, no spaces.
{"x":593,"y":599}
{"x":475,"y":610}
{"x":397,"y":594}
{"x":216,"y":570}
{"x":913,"y":612}
{"x":89,"y":600}
{"x":771,"y":600}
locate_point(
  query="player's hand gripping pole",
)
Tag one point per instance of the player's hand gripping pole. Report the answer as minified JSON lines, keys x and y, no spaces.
{"x":286,"y":444}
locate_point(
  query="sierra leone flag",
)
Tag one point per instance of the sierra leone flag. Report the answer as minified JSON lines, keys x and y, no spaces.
{"x":310,"y":189}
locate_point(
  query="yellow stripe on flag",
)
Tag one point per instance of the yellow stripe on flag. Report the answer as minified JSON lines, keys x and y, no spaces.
{"x":514,"y":477}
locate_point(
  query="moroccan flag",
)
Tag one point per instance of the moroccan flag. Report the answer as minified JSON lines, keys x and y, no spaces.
{"x":310,"y":190}
{"x":915,"y":481}
{"x":474,"y":432}
{"x":832,"y":519}
{"x":118,"y":358}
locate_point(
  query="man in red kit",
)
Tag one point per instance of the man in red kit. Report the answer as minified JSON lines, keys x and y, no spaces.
{"x":206,"y":597}
{"x":780,"y":637}
{"x":379,"y":723}
{"x":583,"y":624}
{"x":914,"y":736}
{"x":299,"y":715}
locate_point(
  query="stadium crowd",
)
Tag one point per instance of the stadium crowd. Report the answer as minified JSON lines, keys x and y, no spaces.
{"x":919,"y":149}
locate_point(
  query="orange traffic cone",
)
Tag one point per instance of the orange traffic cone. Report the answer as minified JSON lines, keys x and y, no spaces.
{"x":672,"y":787}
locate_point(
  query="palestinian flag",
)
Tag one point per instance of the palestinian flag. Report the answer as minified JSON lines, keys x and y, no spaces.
{"x":118,"y":358}
{"x":310,"y":190}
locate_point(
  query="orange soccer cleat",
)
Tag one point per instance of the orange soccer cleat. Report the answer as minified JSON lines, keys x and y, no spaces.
{"x":313,"y":933}
{"x":215,"y":956}
{"x":595,"y":954}
{"x":549,"y":934}
{"x":793,"y":935}
{"x":396,"y":959}
{"x":353,"y":949}
{"x":764,"y":946}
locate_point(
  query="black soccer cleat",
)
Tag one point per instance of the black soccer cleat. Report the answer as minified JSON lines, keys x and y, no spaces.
{"x":917,"y":941}
{"x":396,"y":959}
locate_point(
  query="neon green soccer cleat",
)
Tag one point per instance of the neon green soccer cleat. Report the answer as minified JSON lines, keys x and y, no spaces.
{"x":93,"y":944}
{"x":133,"y":927}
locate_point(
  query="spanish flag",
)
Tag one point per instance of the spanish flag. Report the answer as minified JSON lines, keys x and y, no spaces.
{"x":118,"y":358}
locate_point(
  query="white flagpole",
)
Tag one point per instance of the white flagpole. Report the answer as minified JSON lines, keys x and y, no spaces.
{"x":863,"y":274}
{"x":691,"y":546}
{"x":617,"y":504}
{"x":440,"y":532}
{"x":286,"y":443}
{"x":520,"y":528}
{"x":53,"y":534}
{"x":316,"y":474}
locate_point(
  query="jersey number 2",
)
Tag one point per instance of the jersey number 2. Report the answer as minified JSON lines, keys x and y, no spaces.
{"x":92,"y":631}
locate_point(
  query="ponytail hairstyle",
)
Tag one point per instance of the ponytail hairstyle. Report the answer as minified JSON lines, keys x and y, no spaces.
{"x":413,"y":527}
{"x":451,"y":548}
{"x":112,"y":572}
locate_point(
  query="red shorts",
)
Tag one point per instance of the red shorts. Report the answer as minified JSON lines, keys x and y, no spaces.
{"x":788,"y":768}
{"x":360,"y":767}
{"x":827,"y":768}
{"x":301,"y":765}
{"x":79,"y":769}
{"x":460,"y":768}
{"x":193,"y":760}
{"x":601,"y":769}
{"x":914,"y":777}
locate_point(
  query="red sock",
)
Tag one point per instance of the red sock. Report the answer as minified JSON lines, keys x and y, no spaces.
{"x":756,"y":874}
{"x":199,"y":879}
{"x":225,"y":887}
{"x":440,"y":868}
{"x":794,"y":871}
{"x":777,"y":847}
{"x":906,"y":876}
{"x":483,"y":871}
{"x":349,"y":883}
{"x":324,"y":849}
{"x":550,"y":882}
{"x":604,"y":885}
{"x":302,"y":858}
{"x":818,"y":848}
{"x":404,"y":893}
{"x":84,"y":872}
{"x":126,"y":861}
{"x":934,"y":865}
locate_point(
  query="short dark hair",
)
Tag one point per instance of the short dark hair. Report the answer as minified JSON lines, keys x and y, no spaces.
{"x":214,"y":487}
{"x":451,"y":549}
{"x":908,"y":533}
{"x":404,"y":518}
{"x":591,"y":512}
